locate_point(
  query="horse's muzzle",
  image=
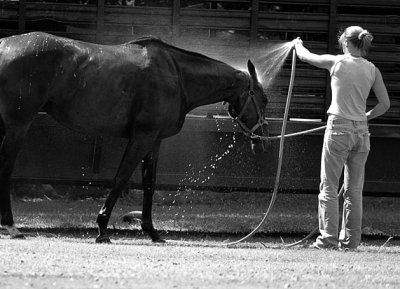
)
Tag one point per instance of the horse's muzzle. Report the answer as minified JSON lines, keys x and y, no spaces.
{"x":259,"y":146}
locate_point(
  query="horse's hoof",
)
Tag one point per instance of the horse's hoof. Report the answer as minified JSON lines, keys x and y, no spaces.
{"x":103,"y":240}
{"x":18,"y":236}
{"x":159,"y":240}
{"x":14,"y":232}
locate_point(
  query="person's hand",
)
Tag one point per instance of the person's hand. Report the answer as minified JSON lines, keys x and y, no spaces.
{"x":297,"y":41}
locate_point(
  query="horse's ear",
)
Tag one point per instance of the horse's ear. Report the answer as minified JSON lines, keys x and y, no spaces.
{"x":252,"y":69}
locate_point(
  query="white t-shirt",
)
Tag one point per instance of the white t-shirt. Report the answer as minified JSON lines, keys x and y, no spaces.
{"x":351,"y":81}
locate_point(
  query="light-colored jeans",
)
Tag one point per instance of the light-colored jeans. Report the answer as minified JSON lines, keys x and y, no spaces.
{"x":346,"y":144}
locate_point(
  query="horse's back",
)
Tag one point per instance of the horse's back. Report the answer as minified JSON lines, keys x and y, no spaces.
{"x":74,"y":81}
{"x":43,"y":49}
{"x":92,"y":88}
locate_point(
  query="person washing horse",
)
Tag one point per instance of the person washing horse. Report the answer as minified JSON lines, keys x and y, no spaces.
{"x":347,"y":139}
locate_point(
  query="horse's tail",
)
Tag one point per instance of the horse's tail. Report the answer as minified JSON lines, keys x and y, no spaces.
{"x":2,"y":130}
{"x":2,"y":127}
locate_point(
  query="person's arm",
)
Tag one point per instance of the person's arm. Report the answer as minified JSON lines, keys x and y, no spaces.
{"x":325,"y":61}
{"x":381,"y":94}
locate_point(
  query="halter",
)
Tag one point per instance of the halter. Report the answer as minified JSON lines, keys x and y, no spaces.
{"x":261,"y":121}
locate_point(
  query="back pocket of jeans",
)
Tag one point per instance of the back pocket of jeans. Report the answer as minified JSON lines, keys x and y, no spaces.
{"x":337,"y":141}
{"x":365,"y":144}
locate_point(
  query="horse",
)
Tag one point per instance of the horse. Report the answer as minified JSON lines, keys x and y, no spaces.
{"x":140,"y":90}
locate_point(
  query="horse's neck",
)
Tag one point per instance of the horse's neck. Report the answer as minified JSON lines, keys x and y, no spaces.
{"x":217,"y":84}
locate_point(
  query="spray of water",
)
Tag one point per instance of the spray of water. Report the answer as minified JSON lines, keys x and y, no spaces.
{"x":270,"y":60}
{"x":196,"y":176}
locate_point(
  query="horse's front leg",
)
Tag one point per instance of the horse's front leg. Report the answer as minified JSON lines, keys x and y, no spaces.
{"x":134,"y":153}
{"x":149,"y":173}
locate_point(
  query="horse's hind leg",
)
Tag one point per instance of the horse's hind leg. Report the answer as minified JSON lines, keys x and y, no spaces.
{"x":9,"y":148}
{"x":149,"y":171}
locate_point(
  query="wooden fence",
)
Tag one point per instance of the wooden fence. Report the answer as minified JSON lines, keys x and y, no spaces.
{"x":232,"y":31}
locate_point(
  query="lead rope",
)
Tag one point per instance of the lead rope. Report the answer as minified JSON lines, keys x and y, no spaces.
{"x":281,"y":145}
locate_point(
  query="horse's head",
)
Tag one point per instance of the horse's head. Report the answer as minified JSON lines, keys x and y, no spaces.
{"x":248,"y":111}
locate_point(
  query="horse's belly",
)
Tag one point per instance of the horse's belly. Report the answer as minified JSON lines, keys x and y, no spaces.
{"x":91,"y":122}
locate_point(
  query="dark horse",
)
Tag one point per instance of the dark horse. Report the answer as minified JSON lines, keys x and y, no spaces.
{"x":139,"y":90}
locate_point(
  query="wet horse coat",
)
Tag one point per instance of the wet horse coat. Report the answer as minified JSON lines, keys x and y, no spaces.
{"x":141,"y":90}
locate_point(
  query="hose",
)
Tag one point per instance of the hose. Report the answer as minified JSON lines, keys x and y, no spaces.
{"x":314,"y":230}
{"x":290,"y":135}
{"x":281,"y":146}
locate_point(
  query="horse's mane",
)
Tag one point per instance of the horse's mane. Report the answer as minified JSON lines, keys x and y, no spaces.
{"x":146,"y":40}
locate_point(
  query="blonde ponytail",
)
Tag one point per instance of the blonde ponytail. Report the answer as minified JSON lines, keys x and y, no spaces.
{"x":359,"y":37}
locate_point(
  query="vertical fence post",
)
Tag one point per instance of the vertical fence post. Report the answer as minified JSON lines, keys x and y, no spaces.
{"x":213,"y":32}
{"x":176,"y":9}
{"x":21,"y":16}
{"x":254,"y":22}
{"x":331,"y":46}
{"x":100,"y":21}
